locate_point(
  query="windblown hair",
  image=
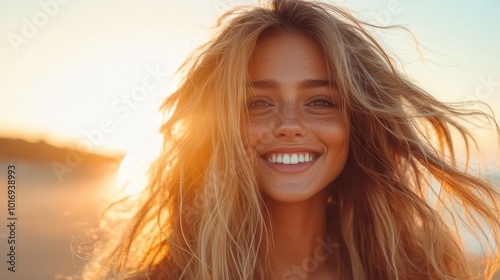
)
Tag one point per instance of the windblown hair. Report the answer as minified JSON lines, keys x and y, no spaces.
{"x":203,"y":217}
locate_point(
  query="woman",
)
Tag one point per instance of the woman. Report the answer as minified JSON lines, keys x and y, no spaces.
{"x":295,"y":150}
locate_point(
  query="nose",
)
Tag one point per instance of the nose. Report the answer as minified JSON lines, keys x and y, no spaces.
{"x":289,"y":123}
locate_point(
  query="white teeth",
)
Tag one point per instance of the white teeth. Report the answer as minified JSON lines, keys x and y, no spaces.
{"x":286,"y":159}
{"x":290,"y":158}
{"x":301,"y":158}
{"x":279,"y":159}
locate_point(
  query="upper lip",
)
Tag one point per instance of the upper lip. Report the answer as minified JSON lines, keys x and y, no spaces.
{"x":291,"y":150}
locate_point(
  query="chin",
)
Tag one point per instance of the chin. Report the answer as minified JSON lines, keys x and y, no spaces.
{"x":290,"y":191}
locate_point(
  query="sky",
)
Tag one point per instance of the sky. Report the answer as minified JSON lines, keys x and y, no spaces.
{"x":93,"y":73}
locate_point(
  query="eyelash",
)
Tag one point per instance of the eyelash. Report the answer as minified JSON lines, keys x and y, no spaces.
{"x":252,"y":103}
{"x":328,"y":102}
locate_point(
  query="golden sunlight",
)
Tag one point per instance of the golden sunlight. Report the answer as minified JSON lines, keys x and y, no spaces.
{"x":132,"y":177}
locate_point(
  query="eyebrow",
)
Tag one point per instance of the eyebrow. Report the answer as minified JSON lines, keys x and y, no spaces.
{"x":304,"y":84}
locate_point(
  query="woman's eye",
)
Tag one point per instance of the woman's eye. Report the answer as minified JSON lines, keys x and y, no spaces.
{"x":258,"y":104}
{"x":321,"y":103}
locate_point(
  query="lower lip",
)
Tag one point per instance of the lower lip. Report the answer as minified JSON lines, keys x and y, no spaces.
{"x":290,"y":168}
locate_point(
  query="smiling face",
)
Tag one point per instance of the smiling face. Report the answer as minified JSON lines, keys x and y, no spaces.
{"x":295,"y":129}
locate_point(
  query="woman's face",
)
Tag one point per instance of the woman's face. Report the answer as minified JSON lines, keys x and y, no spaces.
{"x":295,"y":128}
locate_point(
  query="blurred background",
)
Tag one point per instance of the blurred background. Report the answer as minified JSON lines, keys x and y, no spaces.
{"x":81,"y":83}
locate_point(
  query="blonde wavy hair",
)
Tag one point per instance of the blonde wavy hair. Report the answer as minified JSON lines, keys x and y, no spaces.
{"x":203,"y":217}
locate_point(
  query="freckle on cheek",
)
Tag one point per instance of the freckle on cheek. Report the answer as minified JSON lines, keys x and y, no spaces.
{"x":329,"y":125}
{"x":260,"y":134}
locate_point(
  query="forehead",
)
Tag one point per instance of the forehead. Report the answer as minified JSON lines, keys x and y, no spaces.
{"x":287,"y":55}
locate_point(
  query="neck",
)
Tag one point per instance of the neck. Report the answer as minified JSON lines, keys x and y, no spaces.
{"x":302,"y":244}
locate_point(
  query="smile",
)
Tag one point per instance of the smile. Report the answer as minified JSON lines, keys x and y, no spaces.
{"x":290,"y":158}
{"x":290,"y":163}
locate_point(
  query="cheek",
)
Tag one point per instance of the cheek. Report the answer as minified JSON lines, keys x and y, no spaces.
{"x":333,"y":131}
{"x":259,"y":134}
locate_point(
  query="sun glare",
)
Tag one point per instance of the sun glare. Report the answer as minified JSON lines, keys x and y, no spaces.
{"x":131,"y":178}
